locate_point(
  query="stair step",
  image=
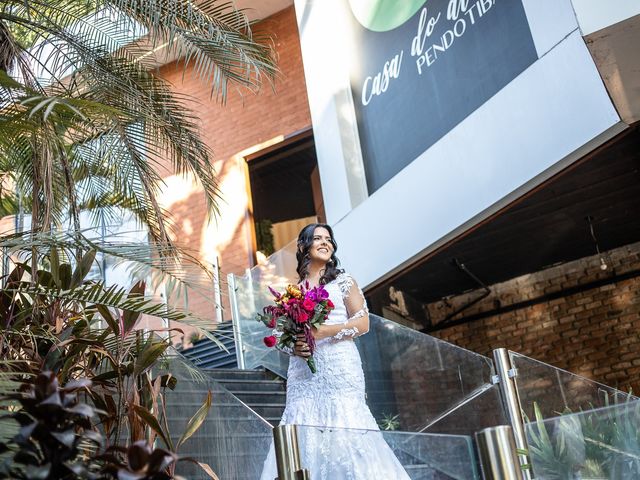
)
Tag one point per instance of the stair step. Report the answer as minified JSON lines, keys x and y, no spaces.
{"x":269,"y":411}
{"x":223,"y":337}
{"x":238,"y":386}
{"x":225,"y":362}
{"x":207,"y":355}
{"x":261,"y":394}
{"x":214,"y":358}
{"x":209,"y":347}
{"x":223,"y":374}
{"x":220,"y":404}
{"x":246,"y":421}
{"x":252,"y":398}
{"x":255,"y":458}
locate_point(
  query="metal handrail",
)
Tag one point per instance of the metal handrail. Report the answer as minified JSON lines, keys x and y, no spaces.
{"x":509,"y":391}
{"x":235,"y":319}
{"x":288,"y":454}
{"x":498,"y":455}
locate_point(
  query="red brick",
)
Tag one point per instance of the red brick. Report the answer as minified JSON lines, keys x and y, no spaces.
{"x":592,"y":333}
{"x":243,"y":122}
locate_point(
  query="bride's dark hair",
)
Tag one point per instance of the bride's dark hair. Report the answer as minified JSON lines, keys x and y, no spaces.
{"x":305,"y":241}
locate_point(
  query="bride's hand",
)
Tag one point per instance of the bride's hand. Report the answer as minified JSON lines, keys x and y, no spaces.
{"x":301,"y":349}
{"x":319,"y":332}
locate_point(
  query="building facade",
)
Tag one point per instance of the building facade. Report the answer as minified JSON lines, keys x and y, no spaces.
{"x":477,"y":160}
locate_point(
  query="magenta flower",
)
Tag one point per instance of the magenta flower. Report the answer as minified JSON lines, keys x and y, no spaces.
{"x":308,"y":305}
{"x":322,"y":293}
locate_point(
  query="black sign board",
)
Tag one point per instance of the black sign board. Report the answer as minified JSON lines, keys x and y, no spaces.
{"x":414,"y":81}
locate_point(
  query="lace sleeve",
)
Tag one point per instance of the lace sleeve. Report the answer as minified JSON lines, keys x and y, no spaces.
{"x":356,"y":306}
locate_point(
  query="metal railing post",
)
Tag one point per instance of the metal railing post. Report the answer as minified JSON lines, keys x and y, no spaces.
{"x":288,"y":454}
{"x":250,"y":294}
{"x":235,"y":320}
{"x":498,"y":456}
{"x":217,"y":291}
{"x":506,"y":374}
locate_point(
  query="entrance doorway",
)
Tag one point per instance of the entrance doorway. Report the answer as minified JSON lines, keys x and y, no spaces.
{"x":286,"y":193}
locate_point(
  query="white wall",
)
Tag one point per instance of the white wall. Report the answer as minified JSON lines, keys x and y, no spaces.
{"x":547,"y":117}
{"x":594,"y":15}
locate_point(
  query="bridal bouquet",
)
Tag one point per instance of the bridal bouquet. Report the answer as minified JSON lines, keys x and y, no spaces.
{"x":295,"y":312}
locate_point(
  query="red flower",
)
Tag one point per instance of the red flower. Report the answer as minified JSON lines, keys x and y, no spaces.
{"x":302,"y":317}
{"x":308,"y":305}
{"x":272,"y":323}
{"x":330,"y":304}
{"x":269,"y":341}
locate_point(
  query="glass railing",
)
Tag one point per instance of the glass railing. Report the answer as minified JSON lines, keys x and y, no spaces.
{"x":555,"y":391}
{"x":233,"y":440}
{"x":468,"y":416}
{"x":417,"y":383}
{"x":350,"y":453}
{"x":250,"y":296}
{"x":422,"y":379}
{"x":601,"y":443}
{"x":412,"y":379}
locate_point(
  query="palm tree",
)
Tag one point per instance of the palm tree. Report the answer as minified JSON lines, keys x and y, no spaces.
{"x":85,"y":124}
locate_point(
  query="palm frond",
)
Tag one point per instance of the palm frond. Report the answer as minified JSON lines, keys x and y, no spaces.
{"x":85,"y":52}
{"x":176,"y":269}
{"x":214,"y":35}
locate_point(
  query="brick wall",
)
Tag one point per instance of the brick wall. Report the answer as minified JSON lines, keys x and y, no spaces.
{"x":591,"y":328}
{"x":245,"y":121}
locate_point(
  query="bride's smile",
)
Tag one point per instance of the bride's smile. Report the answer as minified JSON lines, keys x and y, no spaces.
{"x":322,"y":249}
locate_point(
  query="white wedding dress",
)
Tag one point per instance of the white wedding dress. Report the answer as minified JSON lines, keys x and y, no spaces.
{"x":334,"y":398}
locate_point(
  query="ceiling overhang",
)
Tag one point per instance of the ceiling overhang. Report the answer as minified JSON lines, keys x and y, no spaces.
{"x":615,"y":52}
{"x":548,"y":226}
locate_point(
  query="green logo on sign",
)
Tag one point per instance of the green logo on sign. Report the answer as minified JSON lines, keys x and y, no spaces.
{"x":384,"y":15}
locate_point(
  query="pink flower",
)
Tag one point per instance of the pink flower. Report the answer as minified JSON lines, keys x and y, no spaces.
{"x":274,"y":293}
{"x":269,"y":341}
{"x":330,"y":304}
{"x":308,"y":305}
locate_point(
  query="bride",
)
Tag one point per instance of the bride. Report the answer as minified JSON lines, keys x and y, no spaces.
{"x":335,"y":395}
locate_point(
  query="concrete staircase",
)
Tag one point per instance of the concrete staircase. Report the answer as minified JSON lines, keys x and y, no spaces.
{"x":262,"y":391}
{"x":207,"y":354}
